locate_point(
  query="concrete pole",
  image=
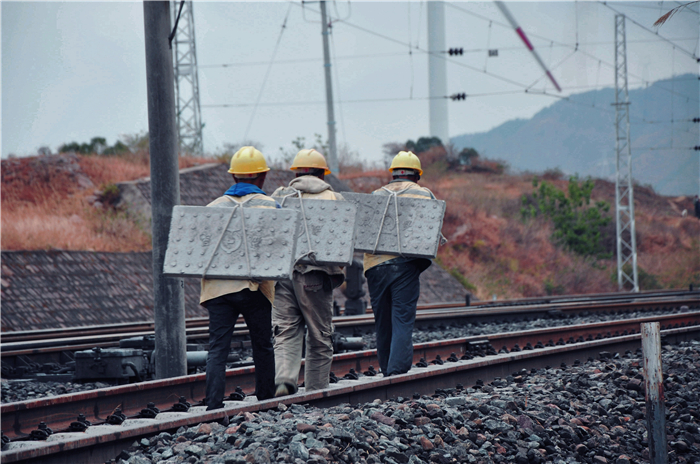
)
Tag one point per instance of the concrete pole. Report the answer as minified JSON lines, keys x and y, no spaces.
{"x":654,"y":392}
{"x":332,"y":149}
{"x":169,"y":302}
{"x":437,"y":72}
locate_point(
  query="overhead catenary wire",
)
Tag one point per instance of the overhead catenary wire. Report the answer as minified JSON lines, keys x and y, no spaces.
{"x":267,"y":73}
{"x":397,"y":54}
{"x":522,"y":86}
{"x":337,"y":82}
{"x":375,"y":100}
{"x":583,"y":52}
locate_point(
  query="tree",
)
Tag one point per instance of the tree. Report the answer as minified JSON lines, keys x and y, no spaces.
{"x":467,"y":156}
{"x":423,"y":144}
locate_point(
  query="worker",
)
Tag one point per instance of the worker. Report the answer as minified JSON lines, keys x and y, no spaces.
{"x":393,"y":281}
{"x":225,"y":300}
{"x":305,"y":301}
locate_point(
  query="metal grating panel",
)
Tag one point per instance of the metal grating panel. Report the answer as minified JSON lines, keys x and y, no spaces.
{"x":420,"y":223}
{"x":331,"y":227}
{"x":212,"y":239}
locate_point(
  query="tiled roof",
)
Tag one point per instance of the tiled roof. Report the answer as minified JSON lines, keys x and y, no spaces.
{"x":52,"y":289}
{"x":49,"y":289}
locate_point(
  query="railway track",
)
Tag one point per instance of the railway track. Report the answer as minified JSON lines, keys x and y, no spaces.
{"x":55,"y":345}
{"x":440,"y":364}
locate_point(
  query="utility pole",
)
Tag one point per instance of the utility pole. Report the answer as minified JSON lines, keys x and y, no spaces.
{"x":437,"y":72}
{"x":169,"y":302}
{"x":624,"y":193}
{"x":332,"y":149}
{"x":189,"y":115}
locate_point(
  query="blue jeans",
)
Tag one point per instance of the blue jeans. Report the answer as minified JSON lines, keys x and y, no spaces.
{"x":394,"y":291}
{"x":223,"y":313}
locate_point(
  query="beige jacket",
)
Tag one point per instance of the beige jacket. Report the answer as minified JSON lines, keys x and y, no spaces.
{"x":414,"y":191}
{"x":213,"y":288}
{"x":313,"y":188}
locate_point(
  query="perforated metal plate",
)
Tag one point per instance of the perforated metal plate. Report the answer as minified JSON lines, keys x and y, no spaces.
{"x":331,"y":227}
{"x":420,"y":222}
{"x":212,"y":239}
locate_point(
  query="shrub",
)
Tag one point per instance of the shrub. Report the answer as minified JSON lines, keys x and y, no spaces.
{"x":576,"y":225}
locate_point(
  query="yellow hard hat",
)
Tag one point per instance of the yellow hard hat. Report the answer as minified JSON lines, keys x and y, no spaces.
{"x":248,"y":160}
{"x":311,"y":159}
{"x":406,"y":160}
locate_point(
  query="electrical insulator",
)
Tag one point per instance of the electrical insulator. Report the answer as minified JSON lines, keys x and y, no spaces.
{"x":458,"y":96}
{"x":456,"y":51}
{"x":696,"y":148}
{"x":696,"y":119}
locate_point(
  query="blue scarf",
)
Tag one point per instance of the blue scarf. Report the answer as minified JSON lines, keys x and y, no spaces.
{"x":242,"y":189}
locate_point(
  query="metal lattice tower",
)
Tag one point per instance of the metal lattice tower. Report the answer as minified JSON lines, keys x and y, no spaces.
{"x":189,"y":115}
{"x":624,"y":193}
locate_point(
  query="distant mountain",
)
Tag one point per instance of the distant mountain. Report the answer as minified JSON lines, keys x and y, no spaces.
{"x":577,"y":135}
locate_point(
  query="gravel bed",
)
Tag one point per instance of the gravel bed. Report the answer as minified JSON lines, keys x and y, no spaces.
{"x":21,"y":390}
{"x":593,"y":412}
{"x":14,"y":390}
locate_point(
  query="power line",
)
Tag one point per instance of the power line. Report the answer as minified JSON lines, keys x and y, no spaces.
{"x":267,"y":73}
{"x":376,"y":100}
{"x":404,"y":44}
{"x":300,"y":60}
{"x":609,"y":65}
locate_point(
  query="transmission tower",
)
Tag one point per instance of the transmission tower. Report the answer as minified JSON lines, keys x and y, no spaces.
{"x":624,"y":193}
{"x":189,"y":115}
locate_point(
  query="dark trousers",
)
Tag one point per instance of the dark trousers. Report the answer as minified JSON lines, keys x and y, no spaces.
{"x":223,"y":313}
{"x":394,"y":291}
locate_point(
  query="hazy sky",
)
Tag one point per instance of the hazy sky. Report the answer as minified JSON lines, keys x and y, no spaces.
{"x":72,"y":70}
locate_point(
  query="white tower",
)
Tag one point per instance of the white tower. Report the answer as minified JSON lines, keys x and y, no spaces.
{"x":437,"y":72}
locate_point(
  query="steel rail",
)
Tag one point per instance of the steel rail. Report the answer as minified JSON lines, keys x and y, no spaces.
{"x":101,"y":443}
{"x":148,"y":326}
{"x":18,"y":419}
{"x":444,"y":313}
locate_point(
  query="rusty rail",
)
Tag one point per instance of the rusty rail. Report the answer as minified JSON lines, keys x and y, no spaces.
{"x":18,"y":419}
{"x":104,"y":442}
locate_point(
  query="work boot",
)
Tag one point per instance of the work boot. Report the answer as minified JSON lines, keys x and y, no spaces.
{"x":282,"y":390}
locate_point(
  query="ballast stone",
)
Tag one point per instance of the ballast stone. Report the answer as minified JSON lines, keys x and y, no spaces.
{"x":419,"y":220}
{"x":331,"y":226}
{"x":211,"y":242}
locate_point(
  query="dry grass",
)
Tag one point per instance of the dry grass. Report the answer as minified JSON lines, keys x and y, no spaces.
{"x":44,"y":203}
{"x":112,"y":169}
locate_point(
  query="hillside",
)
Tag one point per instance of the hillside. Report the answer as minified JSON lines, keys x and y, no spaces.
{"x":52,"y":203}
{"x":578,"y":136}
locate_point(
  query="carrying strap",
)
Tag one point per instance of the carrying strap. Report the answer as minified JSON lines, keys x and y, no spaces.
{"x":250,"y":202}
{"x":395,"y":195}
{"x":311,"y":254}
{"x":407,"y":191}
